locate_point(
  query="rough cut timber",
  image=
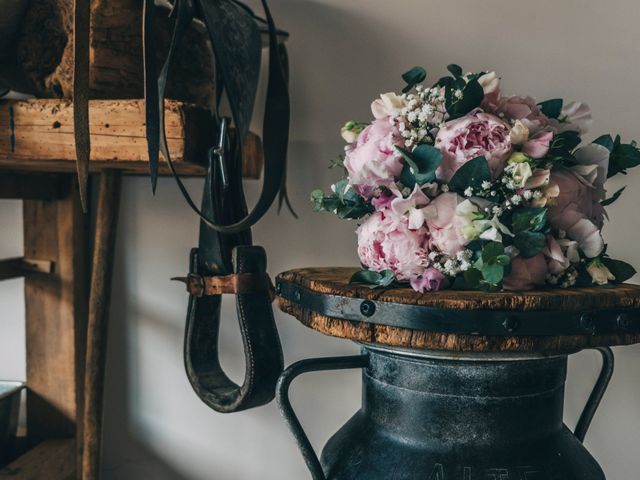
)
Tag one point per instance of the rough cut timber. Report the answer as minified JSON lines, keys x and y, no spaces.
{"x":37,"y":135}
{"x":44,"y":53}
{"x":335,"y":281}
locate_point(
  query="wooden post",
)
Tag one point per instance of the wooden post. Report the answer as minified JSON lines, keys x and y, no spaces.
{"x":55,"y":308}
{"x":97,"y":329}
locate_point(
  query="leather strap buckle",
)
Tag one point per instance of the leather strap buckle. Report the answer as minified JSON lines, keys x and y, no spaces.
{"x":236,"y":284}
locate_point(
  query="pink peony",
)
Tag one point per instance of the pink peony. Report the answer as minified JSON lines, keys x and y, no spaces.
{"x":385,"y":242}
{"x":476,"y":134}
{"x":577,"y":211}
{"x":523,"y":109}
{"x":373,"y":161}
{"x":430,"y":281}
{"x":526,"y":273}
{"x":442,"y":223}
{"x":538,"y":146}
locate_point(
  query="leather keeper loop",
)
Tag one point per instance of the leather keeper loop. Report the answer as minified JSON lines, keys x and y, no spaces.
{"x":236,"y":284}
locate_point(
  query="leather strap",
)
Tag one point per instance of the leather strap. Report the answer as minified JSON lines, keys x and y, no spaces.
{"x":236,"y":283}
{"x":81,"y":39}
{"x":237,"y":66}
{"x":222,"y":260}
{"x":151,"y":93}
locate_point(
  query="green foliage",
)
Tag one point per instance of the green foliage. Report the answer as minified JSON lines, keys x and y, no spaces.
{"x":623,"y":156}
{"x":551,"y":108}
{"x":563,"y":144}
{"x":529,"y":243}
{"x":420,"y":165}
{"x":373,"y":279}
{"x":344,"y":202}
{"x":455,"y":70}
{"x":413,"y":77}
{"x":471,"y":174}
{"x":606,"y":141}
{"x":612,"y":198}
{"x":621,"y":270}
{"x":472,"y":96}
{"x":489,"y":269}
{"x":533,"y":219}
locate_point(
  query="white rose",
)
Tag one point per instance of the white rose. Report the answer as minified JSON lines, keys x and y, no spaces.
{"x":389,"y":104}
{"x":600,"y":274}
{"x":519,"y":133}
{"x":490,"y":83}
{"x":352,"y":130}
{"x":521,"y":173}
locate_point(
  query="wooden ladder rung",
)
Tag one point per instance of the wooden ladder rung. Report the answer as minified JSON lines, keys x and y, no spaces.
{"x":21,"y":267}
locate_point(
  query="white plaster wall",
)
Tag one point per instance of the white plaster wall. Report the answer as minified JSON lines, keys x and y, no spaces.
{"x":342,"y":55}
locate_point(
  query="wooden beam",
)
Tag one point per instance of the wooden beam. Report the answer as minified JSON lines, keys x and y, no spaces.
{"x":55,"y":311}
{"x":21,"y":267}
{"x":37,"y":135}
{"x":97,"y":328}
{"x":28,"y":186}
{"x":50,"y":460}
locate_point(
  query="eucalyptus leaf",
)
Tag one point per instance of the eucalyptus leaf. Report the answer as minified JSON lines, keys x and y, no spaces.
{"x":413,"y":77}
{"x":623,"y":156}
{"x":423,"y":160}
{"x":472,"y":278}
{"x":551,"y":108}
{"x":455,"y":70}
{"x":472,"y":96}
{"x":374,"y":279}
{"x":493,"y":273}
{"x":613,"y":197}
{"x":471,"y":174}
{"x":533,"y":219}
{"x":491,"y":251}
{"x":621,"y":270}
{"x":529,"y":243}
{"x":606,"y":141}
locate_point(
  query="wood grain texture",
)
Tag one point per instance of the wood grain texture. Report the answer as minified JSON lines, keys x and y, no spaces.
{"x":37,"y":135}
{"x":335,"y":281}
{"x":55,"y":310}
{"x":50,"y":460}
{"x":43,"y":63}
{"x":97,"y":328}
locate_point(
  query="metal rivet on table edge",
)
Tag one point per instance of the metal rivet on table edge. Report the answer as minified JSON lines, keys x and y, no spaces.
{"x":367,"y":308}
{"x":297,"y":295}
{"x":623,"y":321}
{"x":511,"y":324}
{"x":587,"y":323}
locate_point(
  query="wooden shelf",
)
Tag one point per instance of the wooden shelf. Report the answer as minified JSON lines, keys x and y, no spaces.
{"x":53,"y":459}
{"x":37,"y":135}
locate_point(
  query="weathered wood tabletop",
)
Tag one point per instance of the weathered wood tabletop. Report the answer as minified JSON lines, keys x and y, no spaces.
{"x":334,"y":282}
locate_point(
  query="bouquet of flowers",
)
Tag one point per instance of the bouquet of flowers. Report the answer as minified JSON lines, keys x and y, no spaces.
{"x":458,"y":185}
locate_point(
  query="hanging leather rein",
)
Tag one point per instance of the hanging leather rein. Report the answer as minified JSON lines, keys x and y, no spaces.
{"x":225,"y":261}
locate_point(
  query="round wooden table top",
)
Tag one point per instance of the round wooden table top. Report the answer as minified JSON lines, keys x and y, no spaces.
{"x":552,"y":320}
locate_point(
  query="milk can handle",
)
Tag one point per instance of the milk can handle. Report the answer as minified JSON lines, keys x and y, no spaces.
{"x":596,"y":395}
{"x":282,"y":397}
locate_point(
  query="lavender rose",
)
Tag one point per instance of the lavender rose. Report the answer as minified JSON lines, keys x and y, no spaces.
{"x":476,"y":134}
{"x":524,"y":109}
{"x":526,"y":273}
{"x":385,"y":242}
{"x":373,"y":161}
{"x":577,"y":211}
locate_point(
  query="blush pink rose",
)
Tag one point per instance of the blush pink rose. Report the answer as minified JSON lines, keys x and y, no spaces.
{"x":577,"y":211}
{"x":476,"y":134}
{"x":385,"y":242}
{"x":526,"y":273}
{"x":557,"y":261}
{"x":538,"y":146}
{"x":373,"y":161}
{"x":524,"y":109}
{"x":441,"y":220}
{"x":430,"y":281}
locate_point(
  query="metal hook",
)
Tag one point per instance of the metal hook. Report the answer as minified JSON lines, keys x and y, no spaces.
{"x":218,"y":152}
